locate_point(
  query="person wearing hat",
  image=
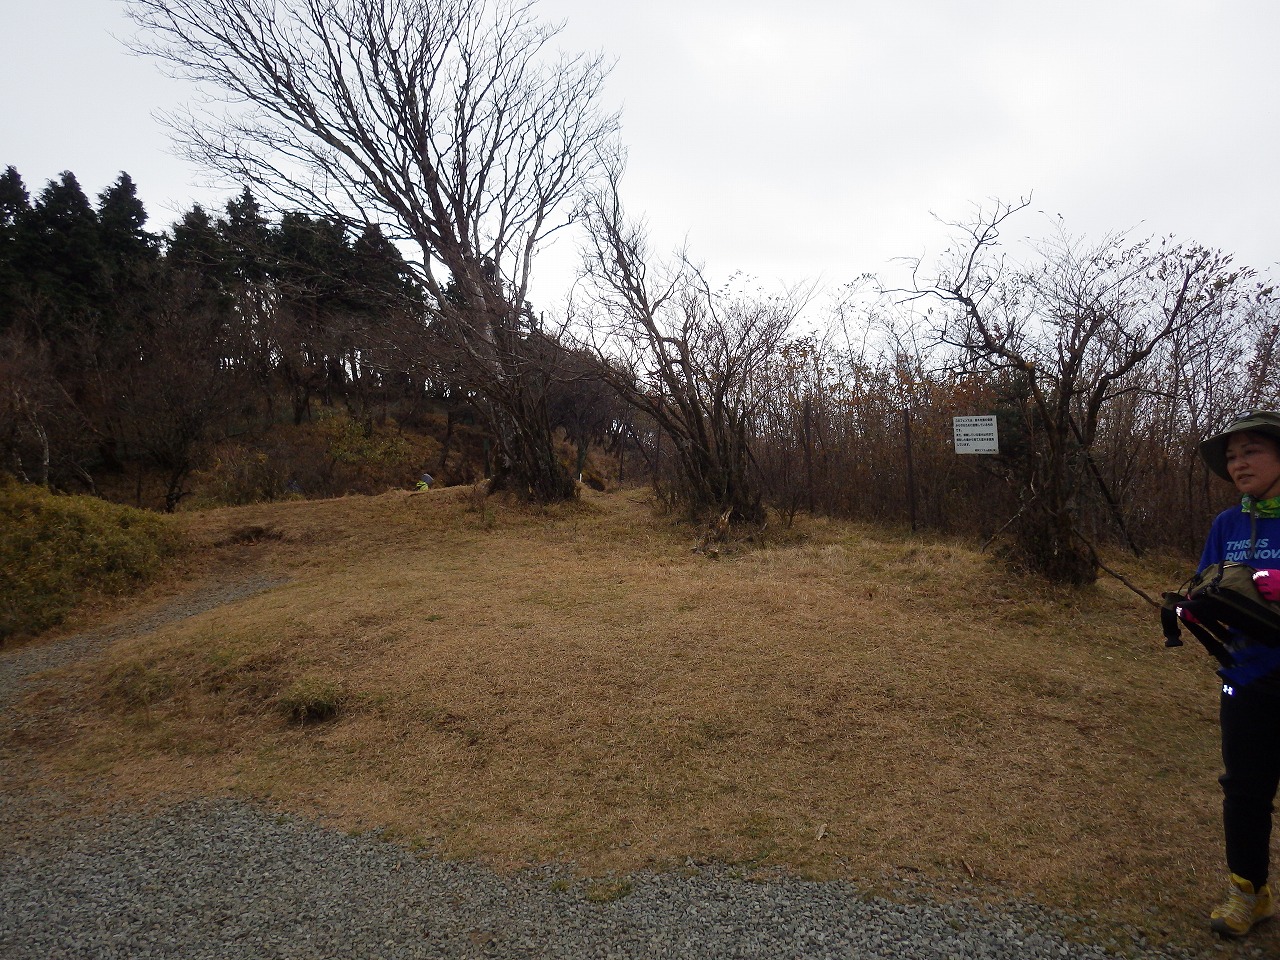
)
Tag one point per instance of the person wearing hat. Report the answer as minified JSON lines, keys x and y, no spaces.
{"x":1247,"y":454}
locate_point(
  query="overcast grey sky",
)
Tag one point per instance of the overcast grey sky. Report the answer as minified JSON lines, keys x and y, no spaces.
{"x":806,"y":139}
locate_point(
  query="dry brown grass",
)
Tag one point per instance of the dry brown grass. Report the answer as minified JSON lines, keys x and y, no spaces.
{"x":574,"y":684}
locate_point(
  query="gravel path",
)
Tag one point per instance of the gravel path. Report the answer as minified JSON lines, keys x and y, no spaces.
{"x":17,"y":665}
{"x":220,"y":879}
{"x":224,"y":879}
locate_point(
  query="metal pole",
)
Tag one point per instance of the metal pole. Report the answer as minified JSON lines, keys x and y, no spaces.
{"x":911,"y":473}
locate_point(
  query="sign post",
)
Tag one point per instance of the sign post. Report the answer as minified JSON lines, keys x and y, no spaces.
{"x":911,"y":471}
{"x":975,"y":434}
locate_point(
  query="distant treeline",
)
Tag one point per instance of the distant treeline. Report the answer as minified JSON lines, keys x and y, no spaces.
{"x":124,"y":345}
{"x":121,"y":349}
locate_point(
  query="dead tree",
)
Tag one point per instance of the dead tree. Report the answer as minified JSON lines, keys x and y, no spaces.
{"x":686,"y":355}
{"x":444,"y":121}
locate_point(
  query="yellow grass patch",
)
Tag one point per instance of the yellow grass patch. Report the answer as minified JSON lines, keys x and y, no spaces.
{"x":575,"y":684}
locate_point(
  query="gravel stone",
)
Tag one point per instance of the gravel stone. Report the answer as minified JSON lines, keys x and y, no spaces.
{"x":226,"y":879}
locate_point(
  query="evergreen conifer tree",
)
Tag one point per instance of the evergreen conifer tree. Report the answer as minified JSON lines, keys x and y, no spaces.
{"x":65,"y":266}
{"x":129,"y":255}
{"x":15,"y":211}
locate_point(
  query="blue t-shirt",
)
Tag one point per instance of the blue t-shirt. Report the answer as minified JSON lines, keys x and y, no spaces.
{"x":1229,"y":539}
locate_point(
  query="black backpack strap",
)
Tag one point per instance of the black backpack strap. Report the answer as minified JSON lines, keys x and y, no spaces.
{"x":1211,"y":643}
{"x":1204,"y":632}
{"x":1169,"y":624}
{"x":1255,"y":620}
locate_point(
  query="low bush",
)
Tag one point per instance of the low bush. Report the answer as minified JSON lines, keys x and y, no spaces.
{"x":330,"y":456}
{"x":55,"y":550}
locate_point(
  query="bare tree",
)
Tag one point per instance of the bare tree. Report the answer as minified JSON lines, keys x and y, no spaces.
{"x":28,"y":401}
{"x":444,"y":121}
{"x":1067,"y":335}
{"x":1263,"y":387}
{"x":686,"y":355}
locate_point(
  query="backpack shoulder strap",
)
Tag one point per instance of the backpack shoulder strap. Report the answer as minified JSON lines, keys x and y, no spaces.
{"x":1170,"y":623}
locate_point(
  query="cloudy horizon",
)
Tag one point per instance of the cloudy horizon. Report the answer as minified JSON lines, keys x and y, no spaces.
{"x":812,"y":142}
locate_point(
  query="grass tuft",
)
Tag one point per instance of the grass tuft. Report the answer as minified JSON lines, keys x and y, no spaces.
{"x":607,"y":891}
{"x":310,"y":700}
{"x":137,"y":686}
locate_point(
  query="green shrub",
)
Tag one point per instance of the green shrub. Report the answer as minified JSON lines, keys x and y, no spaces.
{"x":354,"y":444}
{"x":54,"y":550}
{"x":332,"y":455}
{"x":239,"y":474}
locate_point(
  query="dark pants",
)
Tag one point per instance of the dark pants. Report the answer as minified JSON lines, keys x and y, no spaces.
{"x":1251,"y":757}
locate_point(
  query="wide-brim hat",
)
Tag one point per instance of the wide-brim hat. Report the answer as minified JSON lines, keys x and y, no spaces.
{"x":1214,"y":450}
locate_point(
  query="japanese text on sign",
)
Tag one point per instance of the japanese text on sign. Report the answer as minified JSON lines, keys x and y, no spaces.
{"x":975,"y":434}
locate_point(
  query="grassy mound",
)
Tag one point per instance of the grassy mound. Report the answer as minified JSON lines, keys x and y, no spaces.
{"x":55,"y":550}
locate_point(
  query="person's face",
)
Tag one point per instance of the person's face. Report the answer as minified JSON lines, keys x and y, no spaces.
{"x":1253,"y":460}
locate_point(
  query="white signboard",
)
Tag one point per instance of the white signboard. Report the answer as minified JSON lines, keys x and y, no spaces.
{"x":975,"y":434}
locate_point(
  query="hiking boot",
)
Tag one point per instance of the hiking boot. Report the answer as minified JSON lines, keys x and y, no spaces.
{"x":1236,"y":915}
